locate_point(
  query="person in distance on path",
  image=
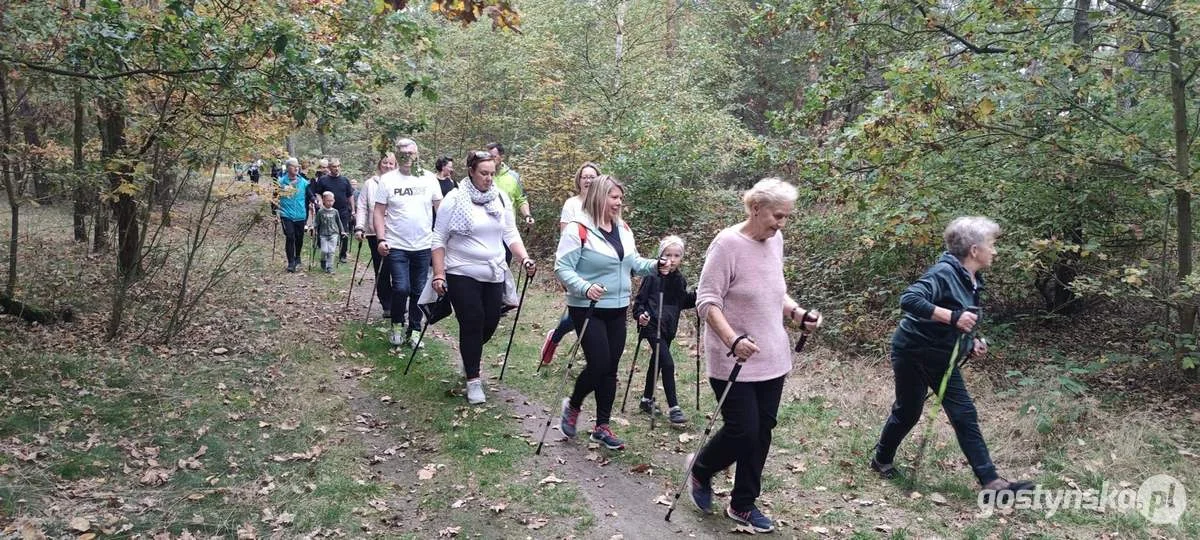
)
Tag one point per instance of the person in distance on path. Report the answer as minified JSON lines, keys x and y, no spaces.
{"x":365,"y":227}
{"x":571,"y":211}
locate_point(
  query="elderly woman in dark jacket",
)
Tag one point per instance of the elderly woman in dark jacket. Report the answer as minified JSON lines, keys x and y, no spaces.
{"x":940,"y":315}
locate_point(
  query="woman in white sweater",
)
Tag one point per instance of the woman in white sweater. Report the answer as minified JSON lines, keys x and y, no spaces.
{"x":364,"y":207}
{"x":474,"y":224}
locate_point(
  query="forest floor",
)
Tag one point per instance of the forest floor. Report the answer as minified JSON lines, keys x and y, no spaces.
{"x":281,"y":412}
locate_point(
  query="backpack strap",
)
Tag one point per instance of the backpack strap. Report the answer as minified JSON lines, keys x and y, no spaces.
{"x":583,"y":234}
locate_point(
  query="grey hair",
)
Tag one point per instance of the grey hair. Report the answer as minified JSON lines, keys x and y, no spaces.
{"x":291,"y":161}
{"x":967,"y":231}
{"x":405,"y":141}
{"x":769,"y":192}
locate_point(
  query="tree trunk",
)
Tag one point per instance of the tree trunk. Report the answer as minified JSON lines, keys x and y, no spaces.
{"x":8,"y":176}
{"x":123,"y":204}
{"x":82,"y":195}
{"x":290,"y":145}
{"x":1183,"y":197}
{"x":35,"y":164}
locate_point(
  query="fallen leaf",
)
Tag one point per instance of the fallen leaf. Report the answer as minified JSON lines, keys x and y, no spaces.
{"x":449,"y":532}
{"x":286,"y":518}
{"x":686,"y":437}
{"x":819,"y":529}
{"x":427,"y":472}
{"x":550,"y":480}
{"x":79,"y":524}
{"x":663,"y":500}
{"x":937,"y":498}
{"x":536,"y":524}
{"x":640,"y":468}
{"x":489,"y":451}
{"x":458,"y":504}
{"x":498,"y":507}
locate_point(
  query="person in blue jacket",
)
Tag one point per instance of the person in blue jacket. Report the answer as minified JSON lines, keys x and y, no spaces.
{"x":594,"y":260}
{"x":940,"y":316}
{"x":292,"y":210}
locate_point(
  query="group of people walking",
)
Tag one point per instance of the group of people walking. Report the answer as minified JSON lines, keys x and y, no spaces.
{"x":741,"y":299}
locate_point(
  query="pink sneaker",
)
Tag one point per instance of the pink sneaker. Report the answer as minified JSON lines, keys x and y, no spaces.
{"x":548,"y":348}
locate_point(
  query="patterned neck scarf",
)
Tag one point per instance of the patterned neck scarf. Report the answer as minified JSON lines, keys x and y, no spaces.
{"x":460,"y":218}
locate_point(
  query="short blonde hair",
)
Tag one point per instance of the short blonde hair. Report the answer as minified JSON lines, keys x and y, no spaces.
{"x":668,"y":241}
{"x":772,"y":192}
{"x":597,"y":195}
{"x":967,"y":231}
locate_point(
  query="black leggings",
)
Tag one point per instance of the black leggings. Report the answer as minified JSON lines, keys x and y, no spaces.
{"x":602,"y":345}
{"x":477,"y":307}
{"x":666,"y":366}
{"x":750,"y":413}
{"x":293,"y":234}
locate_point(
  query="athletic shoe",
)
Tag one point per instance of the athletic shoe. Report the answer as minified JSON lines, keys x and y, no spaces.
{"x":414,"y":338}
{"x":343,"y":260}
{"x":504,"y":309}
{"x":291,"y":268}
{"x":647,"y":407}
{"x":676,"y":416}
{"x":604,"y":435}
{"x":475,"y":392}
{"x":387,"y":313}
{"x":701,"y":492}
{"x":570,"y":416}
{"x":886,"y":471}
{"x":548,"y":348}
{"x":397,"y":337}
{"x":752,"y":518}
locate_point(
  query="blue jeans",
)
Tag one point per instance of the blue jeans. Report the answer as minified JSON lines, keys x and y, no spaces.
{"x":916,"y":375}
{"x":409,"y":270}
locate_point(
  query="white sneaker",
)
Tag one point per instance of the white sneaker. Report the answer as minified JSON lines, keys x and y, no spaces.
{"x":475,"y":392}
{"x":414,"y":337}
{"x":397,"y":337}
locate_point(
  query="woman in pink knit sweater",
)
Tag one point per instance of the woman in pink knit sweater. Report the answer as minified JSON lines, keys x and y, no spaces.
{"x":743,"y":298}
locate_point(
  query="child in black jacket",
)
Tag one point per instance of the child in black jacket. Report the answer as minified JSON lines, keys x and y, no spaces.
{"x":675,"y":297}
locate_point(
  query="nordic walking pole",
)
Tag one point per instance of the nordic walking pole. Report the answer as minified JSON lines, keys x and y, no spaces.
{"x":941,"y":394}
{"x":371,"y":302}
{"x":629,"y":382}
{"x":654,"y":359}
{"x":275,"y":238}
{"x":517,"y":317}
{"x":962,"y":362}
{"x":737,"y":368}
{"x":420,"y":338}
{"x":350,"y":292}
{"x":587,"y":317}
{"x":312,"y":251}
{"x":804,"y":334}
{"x":698,"y":359}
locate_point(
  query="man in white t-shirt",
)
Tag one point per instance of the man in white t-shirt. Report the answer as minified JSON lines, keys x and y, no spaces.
{"x":403,"y":218}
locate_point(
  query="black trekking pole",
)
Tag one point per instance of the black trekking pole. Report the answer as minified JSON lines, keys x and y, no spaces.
{"x":941,"y":390}
{"x":803,"y":333}
{"x":420,"y":338}
{"x":350,"y":292}
{"x":312,"y":251}
{"x":654,"y":360}
{"x":587,"y":318}
{"x":371,"y":302}
{"x":698,"y":359}
{"x":275,"y":239}
{"x":737,"y":368}
{"x":629,"y":382}
{"x":517,"y":317}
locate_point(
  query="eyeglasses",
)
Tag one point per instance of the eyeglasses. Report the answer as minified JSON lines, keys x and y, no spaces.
{"x":587,"y":177}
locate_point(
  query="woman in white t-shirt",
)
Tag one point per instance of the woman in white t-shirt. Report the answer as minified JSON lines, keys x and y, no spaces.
{"x":572,"y":210}
{"x":474,"y":225}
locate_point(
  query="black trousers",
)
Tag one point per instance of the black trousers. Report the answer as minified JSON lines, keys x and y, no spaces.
{"x":477,"y":307}
{"x":666,"y":366}
{"x":345,"y":217}
{"x":383,"y":277}
{"x":293,"y":234}
{"x":750,"y":413}
{"x":602,"y":345}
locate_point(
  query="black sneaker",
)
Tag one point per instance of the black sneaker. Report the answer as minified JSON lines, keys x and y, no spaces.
{"x":886,"y":471}
{"x":752,"y":518}
{"x":647,"y":407}
{"x":675,"y":414}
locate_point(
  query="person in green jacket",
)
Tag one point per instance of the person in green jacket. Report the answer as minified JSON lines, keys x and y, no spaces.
{"x":594,"y":260}
{"x":509,"y":181}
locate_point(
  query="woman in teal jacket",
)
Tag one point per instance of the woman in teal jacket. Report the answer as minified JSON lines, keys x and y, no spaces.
{"x":595,"y":258}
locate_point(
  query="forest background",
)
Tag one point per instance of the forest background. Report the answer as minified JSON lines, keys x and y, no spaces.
{"x":1073,"y":123}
